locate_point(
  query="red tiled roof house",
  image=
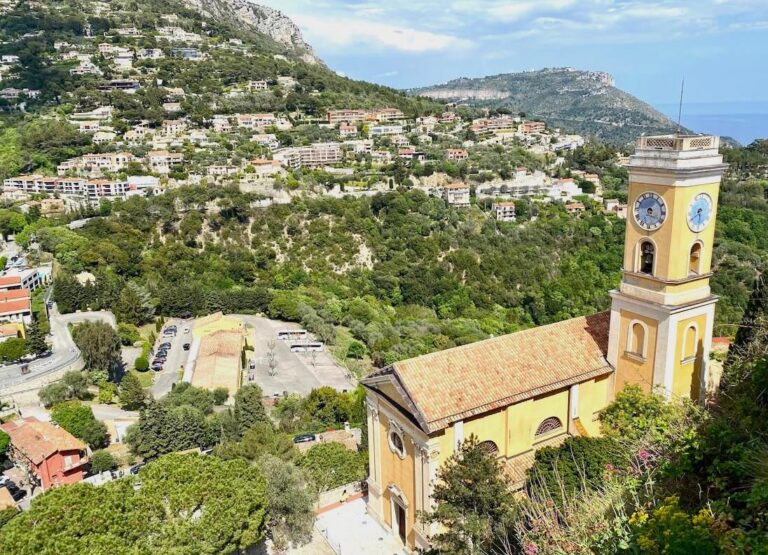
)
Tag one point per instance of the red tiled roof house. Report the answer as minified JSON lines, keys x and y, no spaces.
{"x":49,"y":454}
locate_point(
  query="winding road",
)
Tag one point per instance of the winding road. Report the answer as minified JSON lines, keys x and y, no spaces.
{"x":64,"y":352}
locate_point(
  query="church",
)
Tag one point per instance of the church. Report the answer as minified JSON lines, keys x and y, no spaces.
{"x":534,"y":388}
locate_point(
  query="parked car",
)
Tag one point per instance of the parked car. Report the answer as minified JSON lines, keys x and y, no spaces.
{"x":186,"y":346}
{"x":165,"y":345}
{"x":16,"y":492}
{"x":304,"y":438}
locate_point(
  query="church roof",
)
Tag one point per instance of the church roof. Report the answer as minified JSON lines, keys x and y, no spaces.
{"x":444,"y":387}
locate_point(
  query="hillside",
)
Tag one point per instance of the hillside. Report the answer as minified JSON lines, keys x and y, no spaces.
{"x":68,"y":52}
{"x":585,"y":102}
{"x":261,"y":19}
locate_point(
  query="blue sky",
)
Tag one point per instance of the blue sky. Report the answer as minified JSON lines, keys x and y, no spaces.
{"x":720,"y":46}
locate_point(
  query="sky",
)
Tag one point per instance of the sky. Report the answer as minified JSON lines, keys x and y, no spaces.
{"x":720,"y":47}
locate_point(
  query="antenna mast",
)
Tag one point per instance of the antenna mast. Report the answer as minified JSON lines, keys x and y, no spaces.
{"x":680,"y":107}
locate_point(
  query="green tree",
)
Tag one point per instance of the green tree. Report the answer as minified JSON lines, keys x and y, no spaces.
{"x":249,"y":407}
{"x":291,"y":502}
{"x":36,"y":343}
{"x":259,"y":440}
{"x":129,"y":334}
{"x":186,"y":504}
{"x":102,"y":460}
{"x":185,"y":393}
{"x":474,"y":502}
{"x":327,"y":406}
{"x":356,"y":349}
{"x":162,"y":429}
{"x":11,"y":350}
{"x":134,"y":305}
{"x":79,"y":421}
{"x":132,"y":395}
{"x":100,"y":346}
{"x":73,"y":385}
{"x":329,"y":465}
{"x":5,"y":441}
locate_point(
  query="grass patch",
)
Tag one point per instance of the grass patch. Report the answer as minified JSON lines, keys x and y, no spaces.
{"x":145,"y":378}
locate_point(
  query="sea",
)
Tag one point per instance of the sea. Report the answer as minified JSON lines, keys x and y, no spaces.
{"x":742,"y":121}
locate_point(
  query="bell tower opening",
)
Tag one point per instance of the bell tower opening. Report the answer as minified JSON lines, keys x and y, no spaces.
{"x":647,"y":257}
{"x":694,"y":260}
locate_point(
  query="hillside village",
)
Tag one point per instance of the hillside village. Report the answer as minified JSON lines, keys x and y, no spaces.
{"x":249,"y":304}
{"x":196,"y":139}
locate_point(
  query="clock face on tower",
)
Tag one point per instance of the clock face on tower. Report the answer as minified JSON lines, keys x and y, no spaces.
{"x":699,"y":212}
{"x":650,"y":211}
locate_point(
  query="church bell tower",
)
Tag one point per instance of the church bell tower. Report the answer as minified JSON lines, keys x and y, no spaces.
{"x":663,"y":312}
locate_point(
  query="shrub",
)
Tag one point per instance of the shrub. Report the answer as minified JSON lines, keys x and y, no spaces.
{"x":107,"y":392}
{"x":129,"y":334}
{"x":356,"y":350}
{"x":142,"y":364}
{"x":220,"y":395}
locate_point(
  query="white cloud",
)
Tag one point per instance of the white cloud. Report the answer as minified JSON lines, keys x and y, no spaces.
{"x":514,"y":11}
{"x":343,"y":32}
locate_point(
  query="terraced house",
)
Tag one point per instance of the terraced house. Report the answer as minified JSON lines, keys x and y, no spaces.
{"x":531,"y":389}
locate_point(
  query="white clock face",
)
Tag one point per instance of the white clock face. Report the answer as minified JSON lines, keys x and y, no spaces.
{"x":650,"y":211}
{"x":699,"y":212}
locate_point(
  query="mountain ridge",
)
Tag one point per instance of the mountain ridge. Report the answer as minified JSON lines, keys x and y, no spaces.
{"x":262,"y":19}
{"x":586,"y":102}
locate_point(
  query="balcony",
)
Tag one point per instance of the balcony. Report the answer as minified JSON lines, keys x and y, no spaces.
{"x":678,"y":142}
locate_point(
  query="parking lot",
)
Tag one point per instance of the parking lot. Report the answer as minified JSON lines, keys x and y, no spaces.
{"x":176,"y":356}
{"x":290,"y":372}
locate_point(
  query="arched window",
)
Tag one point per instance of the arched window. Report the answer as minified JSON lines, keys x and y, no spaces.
{"x":636,"y":339}
{"x":647,"y":254}
{"x":694,"y":260}
{"x":690,"y":339}
{"x":549,"y":425}
{"x":489,"y":447}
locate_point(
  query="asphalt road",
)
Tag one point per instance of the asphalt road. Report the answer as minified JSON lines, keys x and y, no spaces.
{"x":177,"y":358}
{"x":64,"y":352}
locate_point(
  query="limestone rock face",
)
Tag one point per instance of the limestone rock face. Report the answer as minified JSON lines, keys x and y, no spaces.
{"x":263,"y":19}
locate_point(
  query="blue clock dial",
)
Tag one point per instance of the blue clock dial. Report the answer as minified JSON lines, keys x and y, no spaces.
{"x":650,"y":211}
{"x":699,"y":212}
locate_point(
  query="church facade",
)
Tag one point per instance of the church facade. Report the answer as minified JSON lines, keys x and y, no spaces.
{"x":534,"y":388}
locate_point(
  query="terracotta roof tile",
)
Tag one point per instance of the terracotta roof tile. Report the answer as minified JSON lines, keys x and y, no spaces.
{"x":39,"y":440}
{"x":465,"y":381}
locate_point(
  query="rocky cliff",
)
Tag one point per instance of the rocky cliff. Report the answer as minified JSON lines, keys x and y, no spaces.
{"x":262,"y":19}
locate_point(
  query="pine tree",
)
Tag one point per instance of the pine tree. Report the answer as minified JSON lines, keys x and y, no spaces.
{"x":751,"y":341}
{"x":132,"y":395}
{"x":249,"y":407}
{"x":474,"y":503}
{"x":36,"y":344}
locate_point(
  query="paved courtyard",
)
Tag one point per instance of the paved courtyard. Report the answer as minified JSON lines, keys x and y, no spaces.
{"x":351,"y":531}
{"x":294,"y":372}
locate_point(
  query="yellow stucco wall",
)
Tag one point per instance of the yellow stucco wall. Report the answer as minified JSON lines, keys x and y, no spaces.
{"x":523,"y":419}
{"x":632,"y":370}
{"x":594,"y":395}
{"x":687,"y":378}
{"x":674,"y":238}
{"x":400,"y":472}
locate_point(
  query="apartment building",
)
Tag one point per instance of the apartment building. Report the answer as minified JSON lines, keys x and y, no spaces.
{"x":314,"y":155}
{"x":335,"y":117}
{"x":533,"y":127}
{"x":388,"y":114}
{"x":96,"y":164}
{"x":382,"y":130}
{"x":456,"y":154}
{"x":160,"y":161}
{"x":456,"y":194}
{"x":255,"y":121}
{"x":504,"y":211}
